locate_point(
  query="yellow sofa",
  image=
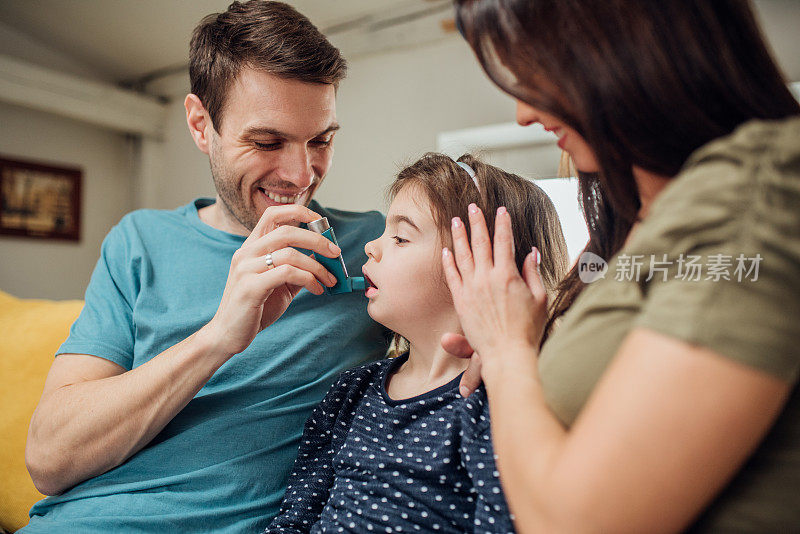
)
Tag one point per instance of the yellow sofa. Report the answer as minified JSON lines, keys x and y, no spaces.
{"x":30,"y":333}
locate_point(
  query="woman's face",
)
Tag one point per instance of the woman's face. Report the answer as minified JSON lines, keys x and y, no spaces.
{"x":568,"y":139}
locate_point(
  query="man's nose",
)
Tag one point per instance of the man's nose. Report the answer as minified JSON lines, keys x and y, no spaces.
{"x":295,"y":167}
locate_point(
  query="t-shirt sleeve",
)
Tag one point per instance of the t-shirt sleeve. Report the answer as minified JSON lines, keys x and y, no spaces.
{"x":105,"y":326}
{"x":722,"y":256}
{"x":491,"y":513}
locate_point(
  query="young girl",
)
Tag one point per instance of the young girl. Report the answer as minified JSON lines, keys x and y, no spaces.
{"x":394,"y":447}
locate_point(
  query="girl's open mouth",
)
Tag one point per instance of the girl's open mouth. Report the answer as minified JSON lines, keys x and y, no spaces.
{"x":369,"y":282}
{"x":370,"y":288}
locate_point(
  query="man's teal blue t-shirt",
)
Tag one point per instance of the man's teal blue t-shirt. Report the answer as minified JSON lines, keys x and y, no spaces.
{"x":222,"y":463}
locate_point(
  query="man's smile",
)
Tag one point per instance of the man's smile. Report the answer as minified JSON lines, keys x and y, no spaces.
{"x":281,"y":198}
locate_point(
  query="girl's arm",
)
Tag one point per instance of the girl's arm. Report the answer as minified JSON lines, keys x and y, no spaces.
{"x":313,"y":475}
{"x":490,"y":509}
{"x":666,"y":427}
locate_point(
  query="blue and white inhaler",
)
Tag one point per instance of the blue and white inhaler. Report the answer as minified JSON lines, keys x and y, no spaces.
{"x":344,"y":283}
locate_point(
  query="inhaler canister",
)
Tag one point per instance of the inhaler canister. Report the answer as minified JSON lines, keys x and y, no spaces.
{"x":337,"y":267}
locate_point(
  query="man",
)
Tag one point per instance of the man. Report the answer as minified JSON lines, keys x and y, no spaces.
{"x":177,"y":402}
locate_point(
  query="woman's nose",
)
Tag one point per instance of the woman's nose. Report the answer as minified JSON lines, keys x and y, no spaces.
{"x":526,"y":115}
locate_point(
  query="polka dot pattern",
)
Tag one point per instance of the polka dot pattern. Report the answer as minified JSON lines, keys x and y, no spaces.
{"x":368,"y":463}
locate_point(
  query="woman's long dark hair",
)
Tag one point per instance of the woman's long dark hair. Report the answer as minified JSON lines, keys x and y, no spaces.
{"x":645,"y":83}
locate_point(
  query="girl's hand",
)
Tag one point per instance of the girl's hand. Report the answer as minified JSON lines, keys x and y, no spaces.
{"x":498,"y":307}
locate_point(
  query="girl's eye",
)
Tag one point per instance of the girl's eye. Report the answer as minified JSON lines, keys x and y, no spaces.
{"x":399,"y":240}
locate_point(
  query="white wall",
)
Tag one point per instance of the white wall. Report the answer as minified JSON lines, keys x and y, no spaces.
{"x":178,"y":171}
{"x":392,"y":106}
{"x":60,"y":269}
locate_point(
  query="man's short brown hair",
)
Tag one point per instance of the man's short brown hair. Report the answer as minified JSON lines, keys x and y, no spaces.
{"x":265,"y":35}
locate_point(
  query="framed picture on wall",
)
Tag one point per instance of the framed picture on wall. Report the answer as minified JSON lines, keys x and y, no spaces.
{"x":40,"y":201}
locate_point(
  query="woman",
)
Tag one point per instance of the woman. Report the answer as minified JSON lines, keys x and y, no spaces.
{"x":665,"y":397}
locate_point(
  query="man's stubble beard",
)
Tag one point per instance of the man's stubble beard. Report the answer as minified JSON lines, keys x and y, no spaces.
{"x":229,"y":196}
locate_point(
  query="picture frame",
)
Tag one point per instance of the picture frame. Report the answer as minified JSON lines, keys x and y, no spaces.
{"x":40,"y":201}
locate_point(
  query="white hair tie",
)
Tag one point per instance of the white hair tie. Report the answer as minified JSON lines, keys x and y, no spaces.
{"x":470,"y":171}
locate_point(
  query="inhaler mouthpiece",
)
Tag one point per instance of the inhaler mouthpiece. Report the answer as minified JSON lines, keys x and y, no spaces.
{"x":345,"y":283}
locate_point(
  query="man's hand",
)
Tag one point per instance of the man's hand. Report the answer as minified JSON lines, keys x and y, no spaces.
{"x":256,"y":295}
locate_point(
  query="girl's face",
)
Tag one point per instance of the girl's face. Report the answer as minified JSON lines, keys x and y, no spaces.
{"x":568,"y":139}
{"x":410,"y":293}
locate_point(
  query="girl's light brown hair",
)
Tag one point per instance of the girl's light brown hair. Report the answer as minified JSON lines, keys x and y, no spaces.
{"x":449,"y":190}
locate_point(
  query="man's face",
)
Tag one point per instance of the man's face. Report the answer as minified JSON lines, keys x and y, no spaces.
{"x":275,"y":145}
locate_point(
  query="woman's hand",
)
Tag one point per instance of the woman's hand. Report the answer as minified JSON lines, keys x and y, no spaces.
{"x":457,"y":345}
{"x":498,"y":307}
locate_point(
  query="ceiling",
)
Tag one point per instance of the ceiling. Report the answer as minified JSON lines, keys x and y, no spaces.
{"x":129,"y":39}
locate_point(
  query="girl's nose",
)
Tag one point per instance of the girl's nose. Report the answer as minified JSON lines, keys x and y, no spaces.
{"x":371,"y":249}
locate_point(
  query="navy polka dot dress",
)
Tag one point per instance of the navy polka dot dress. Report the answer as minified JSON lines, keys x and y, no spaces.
{"x":368,"y":463}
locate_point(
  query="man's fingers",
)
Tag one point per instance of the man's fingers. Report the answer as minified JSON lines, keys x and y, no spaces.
{"x":291,"y":236}
{"x":288,"y":274}
{"x":471,"y":378}
{"x":293,"y":290}
{"x":275,"y":216}
{"x":481,"y":242}
{"x":456,"y":344}
{"x":290,"y":256}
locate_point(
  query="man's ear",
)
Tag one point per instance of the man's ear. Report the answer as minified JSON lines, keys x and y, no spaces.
{"x":199,"y":122}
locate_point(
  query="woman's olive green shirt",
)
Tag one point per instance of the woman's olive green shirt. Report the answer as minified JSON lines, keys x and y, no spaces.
{"x":734,"y":211}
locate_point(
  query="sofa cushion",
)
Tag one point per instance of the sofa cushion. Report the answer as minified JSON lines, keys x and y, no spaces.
{"x":30,"y":333}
